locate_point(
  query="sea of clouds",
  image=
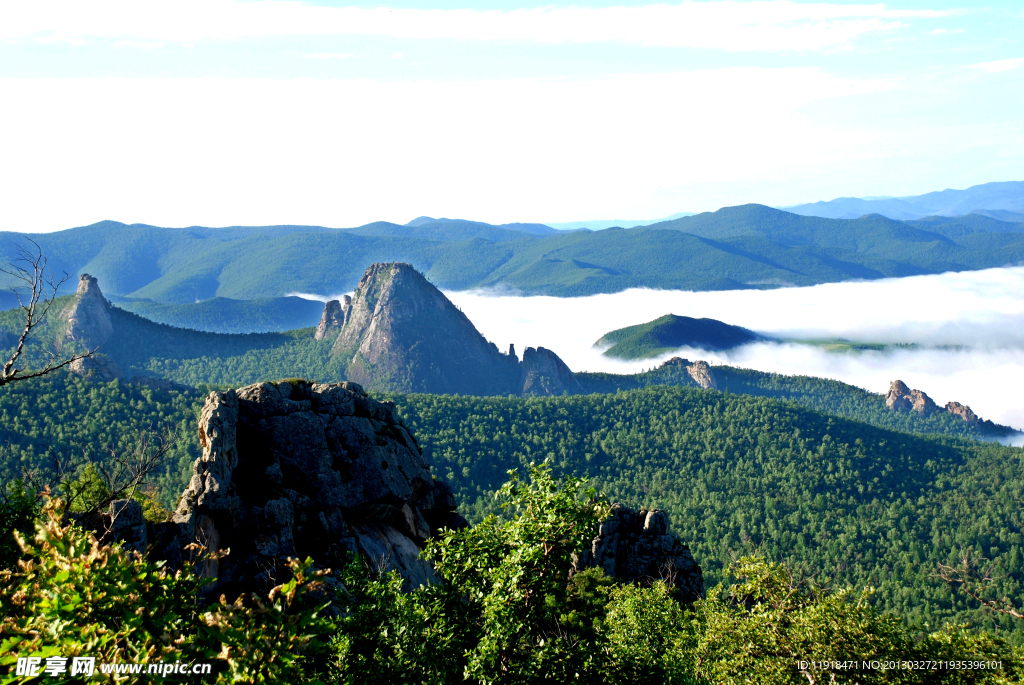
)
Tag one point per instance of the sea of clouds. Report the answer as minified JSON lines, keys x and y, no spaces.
{"x":969,"y":327}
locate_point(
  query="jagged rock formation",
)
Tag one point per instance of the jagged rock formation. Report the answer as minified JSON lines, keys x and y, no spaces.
{"x":296,"y":470}
{"x":902,"y":398}
{"x":402,"y":334}
{"x":88,"y":316}
{"x":545,"y":374}
{"x":700,"y":371}
{"x":636,"y":547}
{"x":333,"y":319}
{"x":963,"y":411}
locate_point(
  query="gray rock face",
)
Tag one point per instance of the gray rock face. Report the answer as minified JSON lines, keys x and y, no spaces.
{"x":636,"y":547}
{"x":333,"y":318}
{"x":88,"y":316}
{"x":700,"y":372}
{"x":308,"y":470}
{"x":902,"y":398}
{"x":98,"y":367}
{"x":403,"y":334}
{"x":545,"y":374}
{"x":128,"y":525}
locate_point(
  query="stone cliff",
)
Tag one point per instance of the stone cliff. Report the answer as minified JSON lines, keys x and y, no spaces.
{"x":88,"y":316}
{"x":636,"y":547}
{"x":700,"y":371}
{"x":400,"y":333}
{"x":296,"y":470}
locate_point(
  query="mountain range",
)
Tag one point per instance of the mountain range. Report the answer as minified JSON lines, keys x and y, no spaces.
{"x":1001,"y":200}
{"x":750,"y":246}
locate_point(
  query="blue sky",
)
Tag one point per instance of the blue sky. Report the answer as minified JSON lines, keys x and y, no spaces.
{"x":224,"y":112}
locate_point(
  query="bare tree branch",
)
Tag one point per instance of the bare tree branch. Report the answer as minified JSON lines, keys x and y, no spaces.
{"x":973,"y":576}
{"x":30,"y":269}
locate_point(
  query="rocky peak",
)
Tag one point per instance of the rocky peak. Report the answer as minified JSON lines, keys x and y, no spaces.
{"x":333,"y":318}
{"x":963,"y":411}
{"x":299,"y":469}
{"x":636,"y":547}
{"x":88,"y":316}
{"x":545,"y":374}
{"x":403,"y":334}
{"x":902,"y":398}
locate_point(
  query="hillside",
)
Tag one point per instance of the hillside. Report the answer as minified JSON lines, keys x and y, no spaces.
{"x":751,"y":246}
{"x":670,"y":332}
{"x":225,"y":315}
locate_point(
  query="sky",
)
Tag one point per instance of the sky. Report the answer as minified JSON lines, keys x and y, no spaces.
{"x":969,"y":328}
{"x":230,"y":112}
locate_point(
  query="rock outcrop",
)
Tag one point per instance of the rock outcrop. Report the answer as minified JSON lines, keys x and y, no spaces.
{"x":88,"y":316}
{"x":98,"y":367}
{"x":333,"y":319}
{"x":545,"y":374}
{"x":402,"y":334}
{"x":296,"y":470}
{"x":699,"y":371}
{"x":636,"y":547}
{"x":902,"y":398}
{"x":963,"y":411}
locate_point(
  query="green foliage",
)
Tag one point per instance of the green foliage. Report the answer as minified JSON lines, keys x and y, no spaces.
{"x":861,"y":505}
{"x":511,"y":614}
{"x":19,"y":508}
{"x":62,"y":414}
{"x":73,"y":597}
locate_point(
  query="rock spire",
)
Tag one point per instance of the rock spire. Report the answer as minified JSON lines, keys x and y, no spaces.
{"x":88,"y":316}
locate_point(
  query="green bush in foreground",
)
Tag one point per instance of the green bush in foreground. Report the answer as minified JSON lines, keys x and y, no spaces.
{"x":71,"y":596}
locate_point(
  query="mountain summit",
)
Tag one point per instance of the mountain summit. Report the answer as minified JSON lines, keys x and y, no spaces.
{"x":401,"y":333}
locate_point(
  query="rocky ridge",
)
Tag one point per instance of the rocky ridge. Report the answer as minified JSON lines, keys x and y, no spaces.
{"x":901,"y":398}
{"x":298,"y":469}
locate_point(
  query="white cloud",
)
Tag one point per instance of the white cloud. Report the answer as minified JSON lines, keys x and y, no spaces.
{"x":328,"y":55}
{"x":777,"y":25}
{"x":342,"y":153}
{"x":981,"y":311}
{"x":1000,"y":65}
{"x":943,"y":32}
{"x":138,"y":44}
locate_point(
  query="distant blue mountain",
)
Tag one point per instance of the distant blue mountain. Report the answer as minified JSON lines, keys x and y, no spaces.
{"x":1002,"y":200}
{"x":427,"y":222}
{"x":602,"y":224}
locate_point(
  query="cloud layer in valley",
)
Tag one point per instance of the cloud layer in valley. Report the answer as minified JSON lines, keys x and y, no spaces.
{"x":978,"y":317}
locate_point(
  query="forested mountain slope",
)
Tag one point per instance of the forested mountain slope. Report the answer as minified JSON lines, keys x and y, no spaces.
{"x":859,"y":505}
{"x":750,"y":246}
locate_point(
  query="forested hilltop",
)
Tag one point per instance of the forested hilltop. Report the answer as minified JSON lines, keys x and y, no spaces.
{"x":750,"y":246}
{"x":856,"y":504}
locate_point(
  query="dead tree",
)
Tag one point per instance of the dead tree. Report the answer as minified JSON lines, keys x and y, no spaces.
{"x":973,"y":575}
{"x":30,"y":269}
